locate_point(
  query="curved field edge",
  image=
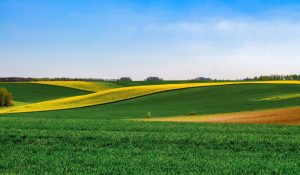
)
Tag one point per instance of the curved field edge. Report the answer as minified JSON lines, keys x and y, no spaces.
{"x":119,"y":94}
{"x":34,"y":92}
{"x":81,"y":85}
{"x":288,"y":116}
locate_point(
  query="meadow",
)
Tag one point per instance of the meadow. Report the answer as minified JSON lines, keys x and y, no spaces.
{"x":106,"y":138}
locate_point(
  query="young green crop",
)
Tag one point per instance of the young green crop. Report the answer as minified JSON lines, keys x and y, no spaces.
{"x":49,"y":146}
{"x":31,"y":92}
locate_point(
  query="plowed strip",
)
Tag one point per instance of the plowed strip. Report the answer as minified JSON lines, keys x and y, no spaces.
{"x":290,"y":116}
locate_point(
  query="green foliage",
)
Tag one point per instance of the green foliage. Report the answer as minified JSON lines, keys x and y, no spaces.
{"x":153,"y":79}
{"x":125,"y":79}
{"x":274,"y":77}
{"x":6,"y":98}
{"x":192,"y":113}
{"x":149,"y":115}
{"x":29,"y":92}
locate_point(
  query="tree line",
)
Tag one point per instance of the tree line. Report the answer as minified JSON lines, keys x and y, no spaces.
{"x":274,"y":77}
{"x":21,"y":79}
{"x":151,"y":78}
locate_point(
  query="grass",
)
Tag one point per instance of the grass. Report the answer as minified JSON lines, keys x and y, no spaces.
{"x":30,"y":93}
{"x":203,"y":100}
{"x":95,"y":140}
{"x":35,"y":146}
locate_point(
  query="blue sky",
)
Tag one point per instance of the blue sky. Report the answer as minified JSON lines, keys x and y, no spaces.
{"x":180,"y":39}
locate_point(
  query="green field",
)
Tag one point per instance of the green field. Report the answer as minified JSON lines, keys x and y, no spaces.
{"x":34,"y":146}
{"x":29,"y":92}
{"x":97,"y":139}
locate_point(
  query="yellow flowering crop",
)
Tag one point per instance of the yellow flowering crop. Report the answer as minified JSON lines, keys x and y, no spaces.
{"x":117,"y":94}
{"x":82,"y":85}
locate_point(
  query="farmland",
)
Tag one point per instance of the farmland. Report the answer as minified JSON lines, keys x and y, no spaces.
{"x":100,"y":131}
{"x":30,"y":92}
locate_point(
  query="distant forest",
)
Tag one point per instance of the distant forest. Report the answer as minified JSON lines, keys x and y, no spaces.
{"x":257,"y":78}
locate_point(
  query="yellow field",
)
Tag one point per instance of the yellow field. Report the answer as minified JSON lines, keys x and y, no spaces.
{"x":117,"y":94}
{"x":82,"y":85}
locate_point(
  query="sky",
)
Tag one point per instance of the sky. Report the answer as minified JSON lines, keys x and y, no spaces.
{"x":182,"y":39}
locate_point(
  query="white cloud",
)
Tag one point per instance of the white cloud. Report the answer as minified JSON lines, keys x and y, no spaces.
{"x":227,"y":25}
{"x":226,"y":48}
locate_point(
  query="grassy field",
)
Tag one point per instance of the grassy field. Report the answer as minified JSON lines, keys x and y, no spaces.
{"x":29,"y":92}
{"x":100,"y":140}
{"x":40,"y":146}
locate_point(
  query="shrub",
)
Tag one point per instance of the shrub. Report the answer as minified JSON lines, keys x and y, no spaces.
{"x":6,"y":98}
{"x":192,"y":113}
{"x":125,"y":79}
{"x":149,"y":115}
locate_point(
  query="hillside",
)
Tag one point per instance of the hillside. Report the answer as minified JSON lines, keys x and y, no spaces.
{"x":31,"y":92}
{"x":201,"y":100}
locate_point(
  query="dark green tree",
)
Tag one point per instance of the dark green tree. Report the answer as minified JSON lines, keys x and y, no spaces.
{"x":125,"y":79}
{"x":153,"y":79}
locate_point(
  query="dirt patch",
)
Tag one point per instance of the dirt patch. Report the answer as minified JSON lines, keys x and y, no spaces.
{"x":290,"y":116}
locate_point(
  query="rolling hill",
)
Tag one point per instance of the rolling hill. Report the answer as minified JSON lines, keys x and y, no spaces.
{"x":119,"y":94}
{"x":33,"y":92}
{"x":191,"y":101}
